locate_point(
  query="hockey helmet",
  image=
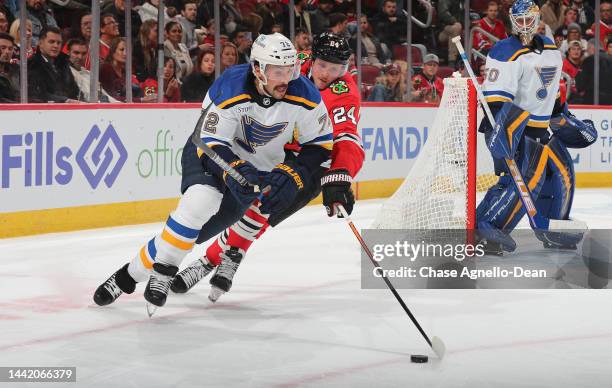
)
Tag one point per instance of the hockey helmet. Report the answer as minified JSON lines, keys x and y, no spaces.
{"x":331,"y":48}
{"x":525,"y":18}
{"x":276,"y":58}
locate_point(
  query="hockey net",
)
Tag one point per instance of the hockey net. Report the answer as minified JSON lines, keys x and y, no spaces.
{"x":447,"y":179}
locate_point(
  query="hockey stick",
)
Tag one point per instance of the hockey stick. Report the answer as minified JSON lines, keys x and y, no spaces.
{"x":536,"y":220}
{"x":435,"y":343}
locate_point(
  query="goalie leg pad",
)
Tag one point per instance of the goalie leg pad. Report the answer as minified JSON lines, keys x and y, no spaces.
{"x":503,"y":140}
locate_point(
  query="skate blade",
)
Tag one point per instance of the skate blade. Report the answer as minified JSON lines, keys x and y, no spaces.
{"x":215,"y":294}
{"x":151,"y":309}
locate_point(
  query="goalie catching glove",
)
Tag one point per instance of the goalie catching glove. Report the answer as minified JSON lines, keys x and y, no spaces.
{"x":336,"y":188}
{"x":243,"y":194}
{"x":284,"y":182}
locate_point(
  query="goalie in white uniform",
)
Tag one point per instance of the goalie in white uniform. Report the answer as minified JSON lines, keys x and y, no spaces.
{"x":522,"y":88}
{"x":256,"y":109}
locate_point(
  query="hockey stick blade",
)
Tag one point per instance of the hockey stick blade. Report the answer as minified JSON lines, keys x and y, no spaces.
{"x":435,"y":343}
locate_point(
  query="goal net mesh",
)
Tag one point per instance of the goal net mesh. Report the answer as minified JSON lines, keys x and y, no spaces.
{"x":434,"y":194}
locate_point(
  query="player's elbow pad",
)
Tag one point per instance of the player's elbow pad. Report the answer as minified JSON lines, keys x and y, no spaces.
{"x":573,"y":132}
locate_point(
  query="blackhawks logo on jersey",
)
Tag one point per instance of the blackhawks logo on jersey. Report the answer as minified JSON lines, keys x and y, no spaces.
{"x":303,"y":56}
{"x":339,"y":87}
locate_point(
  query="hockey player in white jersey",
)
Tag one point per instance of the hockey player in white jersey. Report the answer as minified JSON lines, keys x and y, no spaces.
{"x":256,"y":109}
{"x":521,"y":86}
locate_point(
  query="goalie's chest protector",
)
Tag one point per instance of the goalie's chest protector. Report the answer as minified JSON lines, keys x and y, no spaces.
{"x":527,"y":76}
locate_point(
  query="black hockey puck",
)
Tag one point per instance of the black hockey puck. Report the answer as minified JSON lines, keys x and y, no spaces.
{"x":419,"y":358}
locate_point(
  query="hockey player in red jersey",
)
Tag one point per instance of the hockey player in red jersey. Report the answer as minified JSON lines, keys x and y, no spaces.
{"x":327,"y":68}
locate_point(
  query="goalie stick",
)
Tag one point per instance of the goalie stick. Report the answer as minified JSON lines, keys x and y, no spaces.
{"x":536,"y":220}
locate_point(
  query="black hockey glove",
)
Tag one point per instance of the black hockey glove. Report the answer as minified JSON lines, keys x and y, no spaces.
{"x":285,"y":181}
{"x":336,"y":188}
{"x":243,"y":194}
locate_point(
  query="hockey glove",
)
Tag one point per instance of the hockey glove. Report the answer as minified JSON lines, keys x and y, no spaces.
{"x":243,"y":194}
{"x":285,"y":181}
{"x":573,"y":132}
{"x":336,"y":188}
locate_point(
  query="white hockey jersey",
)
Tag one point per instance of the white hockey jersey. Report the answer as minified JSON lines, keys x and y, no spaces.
{"x":255,"y":127}
{"x":528,"y":78}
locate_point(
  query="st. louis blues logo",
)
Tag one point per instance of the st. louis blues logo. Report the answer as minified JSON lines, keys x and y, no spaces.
{"x":256,"y":134}
{"x":546,"y":75}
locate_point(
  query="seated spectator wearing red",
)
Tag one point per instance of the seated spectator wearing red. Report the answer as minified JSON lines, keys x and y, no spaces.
{"x":552,"y":13}
{"x":427,"y":86}
{"x":605,"y":24}
{"x":491,"y":24}
{"x":144,"y":54}
{"x":173,"y":47}
{"x":389,"y":88}
{"x":9,"y":72}
{"x":196,"y":85}
{"x":390,"y":28}
{"x":573,"y":62}
{"x":49,"y":75}
{"x":450,"y":15}
{"x":371,"y":48}
{"x":585,"y":85}
{"x":573,"y":34}
{"x":14,"y":32}
{"x":109,"y":30}
{"x":112,"y":71}
{"x":570,"y":17}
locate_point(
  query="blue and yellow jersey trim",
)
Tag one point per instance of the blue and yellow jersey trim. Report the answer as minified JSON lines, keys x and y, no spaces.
{"x":234,"y":101}
{"x":325,"y":141}
{"x":498,"y":96}
{"x":510,"y":49}
{"x":300,"y":101}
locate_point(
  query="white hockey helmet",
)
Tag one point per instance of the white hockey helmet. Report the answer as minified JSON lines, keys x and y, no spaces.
{"x":274,"y":49}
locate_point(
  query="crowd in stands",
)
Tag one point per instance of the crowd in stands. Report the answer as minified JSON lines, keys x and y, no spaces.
{"x":59,"y":35}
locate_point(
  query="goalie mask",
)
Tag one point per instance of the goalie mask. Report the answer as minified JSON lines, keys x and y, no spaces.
{"x":525,"y":17}
{"x":276,"y":58}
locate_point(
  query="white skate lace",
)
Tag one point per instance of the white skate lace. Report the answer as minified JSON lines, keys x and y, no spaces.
{"x":112,"y":287}
{"x":194,"y":273}
{"x":227,"y":269}
{"x":160,"y":283}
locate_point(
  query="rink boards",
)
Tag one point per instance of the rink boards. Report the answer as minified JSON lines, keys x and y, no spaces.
{"x":85,"y":166}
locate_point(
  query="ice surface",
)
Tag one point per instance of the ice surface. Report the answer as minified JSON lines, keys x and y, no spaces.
{"x":295,"y":317}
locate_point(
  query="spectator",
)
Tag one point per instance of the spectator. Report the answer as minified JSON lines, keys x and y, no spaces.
{"x":231,"y":17}
{"x":504,"y":15}
{"x":148,"y":11}
{"x":178,"y":51}
{"x":229,"y":55}
{"x":585,"y":82}
{"x":569,"y":18}
{"x":585,"y":14}
{"x":609,"y":47}
{"x":49,"y":75}
{"x":144,"y":55}
{"x":427,"y":86}
{"x":9,"y":72}
{"x":277,"y":28}
{"x":491,"y":24}
{"x":207,"y":35}
{"x":187,"y":20}
{"x":41,"y":16}
{"x":338,"y":23}
{"x":14,"y":32}
{"x":450,"y":13}
{"x":4,"y":22}
{"x":196,"y":85}
{"x":552,"y":13}
{"x":372,"y":51}
{"x":117,"y":9}
{"x":573,"y":62}
{"x":243,"y":41}
{"x":172,"y":86}
{"x":269,"y":11}
{"x":389,"y":88}
{"x":301,"y":16}
{"x":320,"y":17}
{"x":112,"y":71}
{"x":77,"y":54}
{"x":605,"y":24}
{"x":573,"y":34}
{"x":81,"y":31}
{"x":109,"y":31}
{"x":302,"y":41}
{"x":389,"y":28}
